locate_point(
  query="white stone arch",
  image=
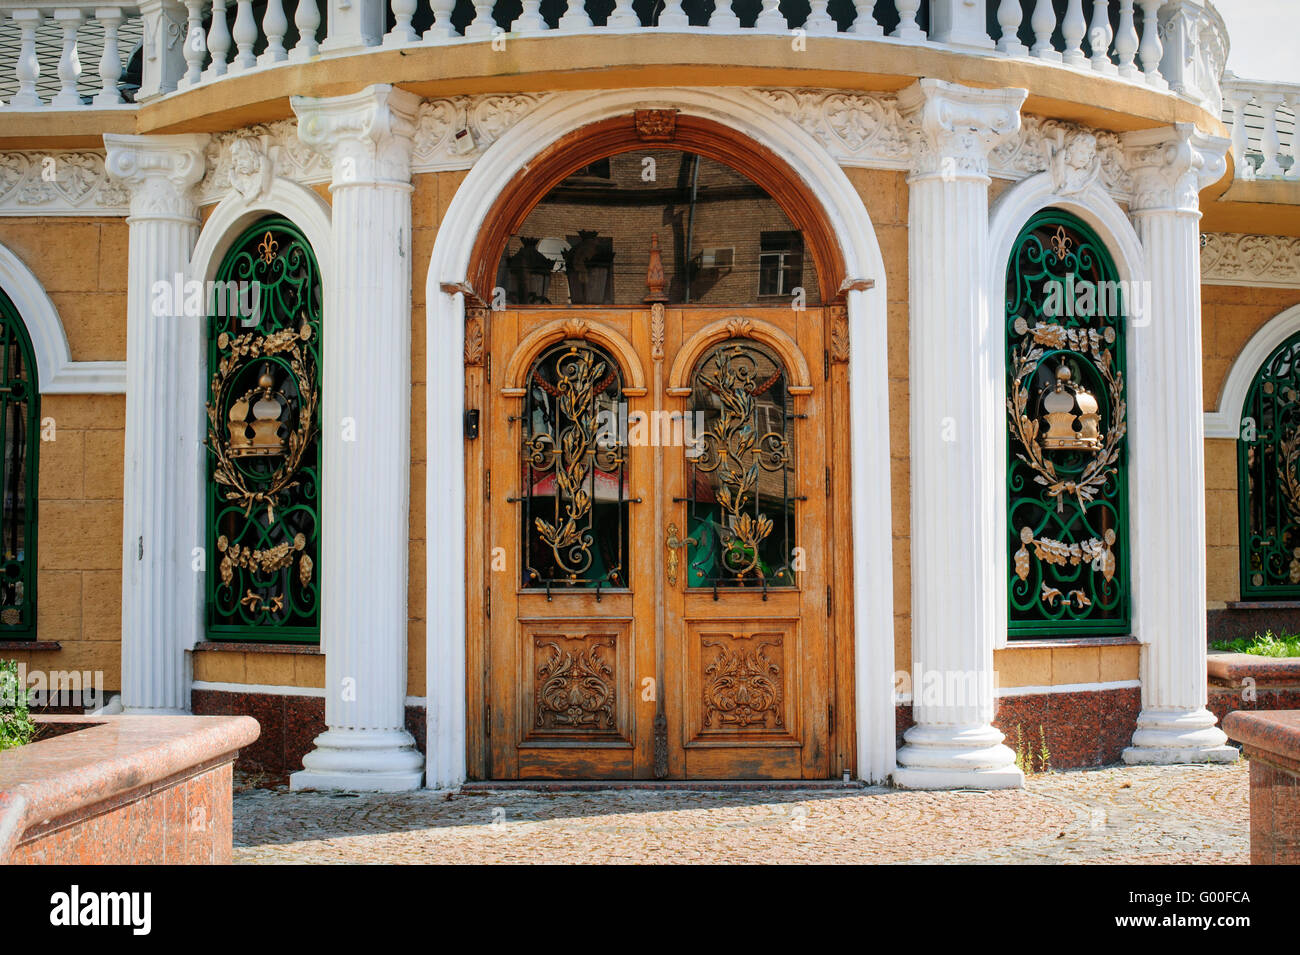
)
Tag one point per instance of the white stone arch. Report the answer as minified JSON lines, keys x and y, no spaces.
{"x":1225,"y":421}
{"x":1096,"y":207}
{"x":57,"y":373}
{"x":310,"y":213}
{"x":869,"y":402}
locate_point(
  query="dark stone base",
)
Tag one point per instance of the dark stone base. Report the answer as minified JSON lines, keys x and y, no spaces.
{"x":1081,"y":729}
{"x":289,"y":725}
{"x":1245,"y":619}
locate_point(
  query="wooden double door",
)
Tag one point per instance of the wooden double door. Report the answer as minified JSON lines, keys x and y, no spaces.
{"x":656,"y":545}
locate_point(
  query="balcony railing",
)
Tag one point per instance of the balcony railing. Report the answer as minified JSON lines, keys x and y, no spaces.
{"x":155,"y":47}
{"x":1262,"y":118}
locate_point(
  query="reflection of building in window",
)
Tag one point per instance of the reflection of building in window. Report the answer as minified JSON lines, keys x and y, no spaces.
{"x":780,"y":263}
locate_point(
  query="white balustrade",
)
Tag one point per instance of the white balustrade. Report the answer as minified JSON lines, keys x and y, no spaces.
{"x":70,"y":22}
{"x":218,"y":41}
{"x":110,"y":61}
{"x":1009,"y":16}
{"x":245,"y":34}
{"x":307,"y":19}
{"x":1262,"y":119}
{"x":275,"y":25}
{"x":196,"y":46}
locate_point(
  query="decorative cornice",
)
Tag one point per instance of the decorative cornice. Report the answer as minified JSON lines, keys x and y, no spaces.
{"x":159,"y":171}
{"x":1232,"y":258}
{"x":1170,"y":166}
{"x":953,"y":128}
{"x":368,"y":136}
{"x":59,"y":183}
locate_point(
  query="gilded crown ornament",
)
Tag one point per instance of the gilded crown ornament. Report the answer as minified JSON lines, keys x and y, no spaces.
{"x":1065,"y":407}
{"x":258,"y":435}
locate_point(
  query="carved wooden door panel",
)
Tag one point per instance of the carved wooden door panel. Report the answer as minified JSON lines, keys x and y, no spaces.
{"x":656,"y":545}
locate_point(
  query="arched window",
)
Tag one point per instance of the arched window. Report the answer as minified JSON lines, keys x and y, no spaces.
{"x":1067,"y":473}
{"x":714,"y":235}
{"x":740,"y":469}
{"x":20,"y":414}
{"x":574,"y":468}
{"x":1268,"y":477}
{"x":264,"y":482}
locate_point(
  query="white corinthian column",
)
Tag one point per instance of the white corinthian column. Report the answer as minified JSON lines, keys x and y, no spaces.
{"x":162,"y":494}
{"x":958,"y":553}
{"x":366,"y":431}
{"x":1170,"y":166}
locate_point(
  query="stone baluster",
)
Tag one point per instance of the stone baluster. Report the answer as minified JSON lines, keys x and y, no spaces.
{"x":70,"y":22}
{"x":1293,"y":145}
{"x":353,"y":25}
{"x":1073,"y":29}
{"x":275,"y":25}
{"x":1010,"y":14}
{"x":958,"y":555}
{"x":1100,"y":35}
{"x":245,"y":35}
{"x":307,"y":19}
{"x":218,"y":40}
{"x":162,"y":493}
{"x":672,"y":17}
{"x":819,"y":21}
{"x":864,"y":22}
{"x":28,"y":67}
{"x":724,"y":19}
{"x":365,"y":522}
{"x":1170,"y":166}
{"x":1043,"y":21}
{"x":110,"y":61}
{"x":196,"y":45}
{"x":1237,"y":100}
{"x":907,"y":28}
{"x":1126,"y":42}
{"x":483,"y":24}
{"x":1151,"y":50}
{"x":623,"y":16}
{"x":770,"y":18}
{"x":402,"y":31}
{"x":1270,"y":143}
{"x":442,"y":28}
{"x":530,"y":19}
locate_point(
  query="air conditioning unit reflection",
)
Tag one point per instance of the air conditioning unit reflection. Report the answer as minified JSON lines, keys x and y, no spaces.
{"x":719,"y":258}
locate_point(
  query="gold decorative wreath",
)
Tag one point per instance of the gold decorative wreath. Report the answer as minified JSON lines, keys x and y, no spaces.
{"x":1025,"y":359}
{"x":286,"y":342}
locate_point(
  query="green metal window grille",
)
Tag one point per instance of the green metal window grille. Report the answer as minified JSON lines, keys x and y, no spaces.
{"x":264,"y":482}
{"x":1067,"y":475}
{"x":1268,"y":458}
{"x":20,"y":415}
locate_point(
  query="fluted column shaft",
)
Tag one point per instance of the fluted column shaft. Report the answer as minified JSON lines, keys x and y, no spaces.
{"x":366,"y":413}
{"x":1170,"y":166}
{"x":161,"y":594}
{"x":958,"y":590}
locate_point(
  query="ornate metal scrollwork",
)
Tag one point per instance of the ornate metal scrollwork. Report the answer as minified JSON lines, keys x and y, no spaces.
{"x":741,"y":470}
{"x":1067,"y":418}
{"x":263,"y":415}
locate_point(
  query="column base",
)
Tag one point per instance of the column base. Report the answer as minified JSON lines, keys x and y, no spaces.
{"x":956,"y":757}
{"x":361,"y":761}
{"x":1164,"y":737}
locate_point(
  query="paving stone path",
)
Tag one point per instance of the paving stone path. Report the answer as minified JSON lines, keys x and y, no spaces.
{"x":1168,"y":814}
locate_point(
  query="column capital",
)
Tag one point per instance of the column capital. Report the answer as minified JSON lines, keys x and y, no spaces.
{"x":1170,"y":166}
{"x":159,"y":171}
{"x":953,"y":128}
{"x":367,"y":136}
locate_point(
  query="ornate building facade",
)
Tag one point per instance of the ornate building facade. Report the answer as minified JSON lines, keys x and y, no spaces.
{"x":566,"y":390}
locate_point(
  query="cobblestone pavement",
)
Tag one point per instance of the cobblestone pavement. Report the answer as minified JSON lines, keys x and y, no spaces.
{"x":1168,"y":814}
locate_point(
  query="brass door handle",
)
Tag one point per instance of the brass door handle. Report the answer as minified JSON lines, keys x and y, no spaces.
{"x":675,"y":543}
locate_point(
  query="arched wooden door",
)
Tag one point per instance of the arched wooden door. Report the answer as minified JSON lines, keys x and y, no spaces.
{"x":657,"y":544}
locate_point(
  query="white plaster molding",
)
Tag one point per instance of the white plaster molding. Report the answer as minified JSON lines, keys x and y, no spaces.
{"x":957,"y":495}
{"x":864,"y":129}
{"x":1235,"y":258}
{"x":869,"y":400}
{"x":1225,"y":421}
{"x":1095,"y":206}
{"x":364,"y":507}
{"x":56,"y":372}
{"x":59,"y":182}
{"x":450,"y":134}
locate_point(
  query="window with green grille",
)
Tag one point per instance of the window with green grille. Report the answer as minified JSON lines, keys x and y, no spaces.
{"x":20,"y":415}
{"x":1268,"y":482}
{"x":264,"y":482}
{"x":1067,"y":474}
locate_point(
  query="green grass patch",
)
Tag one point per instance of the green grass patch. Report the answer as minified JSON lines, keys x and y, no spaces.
{"x":1266,"y":644}
{"x":16,"y":724}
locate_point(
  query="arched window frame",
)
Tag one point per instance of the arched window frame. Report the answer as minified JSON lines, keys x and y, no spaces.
{"x":1072,"y":610}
